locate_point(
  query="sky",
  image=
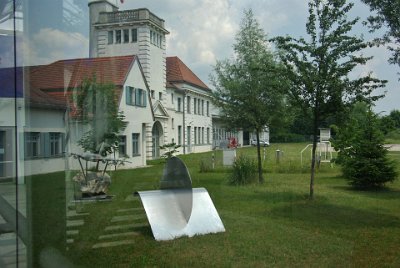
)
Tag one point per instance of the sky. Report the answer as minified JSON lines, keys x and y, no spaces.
{"x":201,"y":32}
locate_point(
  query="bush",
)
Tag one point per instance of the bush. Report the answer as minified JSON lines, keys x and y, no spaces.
{"x":205,"y":166}
{"x":244,"y":171}
{"x":288,"y":137}
{"x":393,"y":136}
{"x":361,"y":153}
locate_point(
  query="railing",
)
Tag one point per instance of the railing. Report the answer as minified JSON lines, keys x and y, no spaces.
{"x":129,"y":16}
{"x":323,"y":149}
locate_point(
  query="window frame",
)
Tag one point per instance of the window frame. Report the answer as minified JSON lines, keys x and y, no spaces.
{"x":125,"y":33}
{"x":110,"y":36}
{"x":136,"y":96}
{"x":32,"y":145}
{"x":55,"y":142}
{"x":134,"y":35}
{"x":122,"y":146}
{"x":118,"y":36}
{"x":135,"y":144}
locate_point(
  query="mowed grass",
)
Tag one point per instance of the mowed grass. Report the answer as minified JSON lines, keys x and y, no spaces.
{"x":273,"y":224}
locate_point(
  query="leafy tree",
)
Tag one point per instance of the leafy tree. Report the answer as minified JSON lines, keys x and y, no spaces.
{"x":248,"y":87}
{"x":361,"y":154}
{"x":395,"y":116}
{"x":386,"y":16}
{"x":387,"y":124}
{"x":97,"y":106}
{"x":319,"y":67}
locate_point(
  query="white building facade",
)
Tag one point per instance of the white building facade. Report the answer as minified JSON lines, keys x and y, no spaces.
{"x":182,"y":109}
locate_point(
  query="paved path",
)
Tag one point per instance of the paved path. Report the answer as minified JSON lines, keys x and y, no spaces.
{"x":8,"y":241}
{"x":393,"y":147}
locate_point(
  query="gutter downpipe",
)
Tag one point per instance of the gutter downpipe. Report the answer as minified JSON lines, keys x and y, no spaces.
{"x":183,"y":124}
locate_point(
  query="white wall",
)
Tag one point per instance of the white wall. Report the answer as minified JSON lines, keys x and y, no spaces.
{"x":44,"y":120}
{"x":139,"y":119}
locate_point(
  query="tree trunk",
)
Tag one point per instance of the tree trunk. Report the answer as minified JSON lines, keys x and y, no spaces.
{"x":260,"y":175}
{"x":313,"y":158}
{"x":314,"y":147}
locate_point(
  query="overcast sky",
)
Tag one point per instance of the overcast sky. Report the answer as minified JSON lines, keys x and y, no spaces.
{"x":201,"y":32}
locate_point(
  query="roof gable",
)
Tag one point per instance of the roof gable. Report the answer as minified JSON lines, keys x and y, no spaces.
{"x":159,"y":110}
{"x":177,"y":71}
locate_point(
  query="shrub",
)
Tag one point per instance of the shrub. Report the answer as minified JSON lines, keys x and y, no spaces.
{"x":205,"y":166}
{"x":244,"y":171}
{"x":361,"y":153}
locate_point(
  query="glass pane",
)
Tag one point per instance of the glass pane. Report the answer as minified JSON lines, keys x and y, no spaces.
{"x":73,"y":131}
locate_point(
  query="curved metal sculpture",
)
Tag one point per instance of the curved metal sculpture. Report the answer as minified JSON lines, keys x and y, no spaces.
{"x":178,"y":210}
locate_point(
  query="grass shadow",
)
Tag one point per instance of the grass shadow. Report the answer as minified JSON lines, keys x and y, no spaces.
{"x":384,"y":193}
{"x":316,"y":213}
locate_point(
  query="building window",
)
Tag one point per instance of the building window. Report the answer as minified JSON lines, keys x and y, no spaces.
{"x":194,"y":106}
{"x":152,"y":37}
{"x":155,"y":39}
{"x":172,"y":98}
{"x":208,"y":108}
{"x":202,"y":135}
{"x":126,"y":35}
{"x":195,"y":135}
{"x":179,"y":108}
{"x":32,"y":144}
{"x":160,"y":95}
{"x":122,"y":146}
{"x":152,"y":94}
{"x":188,"y":133}
{"x":118,"y":36}
{"x":188,"y":104}
{"x":173,"y":123}
{"x":55,"y":144}
{"x":198,"y":106}
{"x":134,"y":35}
{"x":199,"y":129}
{"x":202,"y":107}
{"x":179,"y":135}
{"x":110,"y":37}
{"x":208,"y":135}
{"x":136,"y":96}
{"x":135,"y":144}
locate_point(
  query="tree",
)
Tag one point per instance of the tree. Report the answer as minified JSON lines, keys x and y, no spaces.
{"x":97,"y":106}
{"x":171,"y":149}
{"x":319,"y":68}
{"x":387,"y":124}
{"x":386,"y":16}
{"x":361,"y":154}
{"x":395,"y":116}
{"x":248,"y":87}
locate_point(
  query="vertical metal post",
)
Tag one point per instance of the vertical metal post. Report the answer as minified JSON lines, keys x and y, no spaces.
{"x":278,"y":156}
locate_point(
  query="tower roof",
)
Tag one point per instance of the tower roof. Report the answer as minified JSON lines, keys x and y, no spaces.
{"x":178,"y":72}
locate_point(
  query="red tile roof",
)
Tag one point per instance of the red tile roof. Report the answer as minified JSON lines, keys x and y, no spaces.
{"x":49,"y":83}
{"x":70,"y":73}
{"x":39,"y":99}
{"x":178,"y":72}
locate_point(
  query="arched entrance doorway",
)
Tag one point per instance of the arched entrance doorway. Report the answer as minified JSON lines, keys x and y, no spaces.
{"x":157,"y":133}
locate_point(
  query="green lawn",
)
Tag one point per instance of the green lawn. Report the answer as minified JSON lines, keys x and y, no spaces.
{"x":273,"y":224}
